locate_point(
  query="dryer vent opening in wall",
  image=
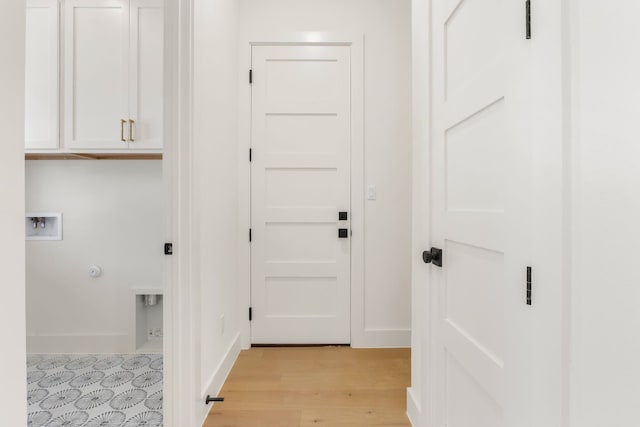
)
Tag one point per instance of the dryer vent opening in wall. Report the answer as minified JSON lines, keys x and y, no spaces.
{"x":43,"y":226}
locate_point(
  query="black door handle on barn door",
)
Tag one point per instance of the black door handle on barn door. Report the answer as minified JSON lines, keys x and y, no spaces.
{"x":433,"y":256}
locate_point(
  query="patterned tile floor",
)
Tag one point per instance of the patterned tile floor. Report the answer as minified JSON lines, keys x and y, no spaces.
{"x":94,"y":390}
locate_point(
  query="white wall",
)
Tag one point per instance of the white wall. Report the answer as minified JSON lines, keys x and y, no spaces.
{"x":13,"y":405}
{"x":215,"y":174}
{"x":112,"y":217}
{"x":605,"y":373}
{"x":386,"y":25}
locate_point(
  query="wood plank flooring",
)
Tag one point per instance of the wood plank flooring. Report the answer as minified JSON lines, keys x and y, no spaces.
{"x":315,"y":386}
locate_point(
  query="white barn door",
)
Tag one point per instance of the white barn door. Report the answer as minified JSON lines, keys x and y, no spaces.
{"x":481,"y":172}
{"x":300,"y":182}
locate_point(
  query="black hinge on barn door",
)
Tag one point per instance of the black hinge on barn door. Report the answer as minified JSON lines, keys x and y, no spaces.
{"x":250,"y":76}
{"x":528,"y":18}
{"x":250,"y":314}
{"x":249,"y":234}
{"x":250,"y":154}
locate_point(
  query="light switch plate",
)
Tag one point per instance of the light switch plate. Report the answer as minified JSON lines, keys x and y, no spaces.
{"x":372,"y":192}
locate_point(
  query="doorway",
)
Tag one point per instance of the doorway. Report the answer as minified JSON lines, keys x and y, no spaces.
{"x":94,"y":212}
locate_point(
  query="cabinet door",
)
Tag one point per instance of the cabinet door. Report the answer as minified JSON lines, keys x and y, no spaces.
{"x":146,"y":77}
{"x":41,"y":75}
{"x":96,"y":74}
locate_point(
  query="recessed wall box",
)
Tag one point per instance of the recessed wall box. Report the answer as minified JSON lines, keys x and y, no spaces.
{"x":43,"y":226}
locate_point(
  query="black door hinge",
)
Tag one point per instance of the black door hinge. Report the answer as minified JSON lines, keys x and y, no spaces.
{"x":250,"y":314}
{"x":528,"y":285}
{"x":168,"y":248}
{"x":249,"y":234}
{"x":250,"y":153}
{"x":250,"y":76}
{"x":528,"y":18}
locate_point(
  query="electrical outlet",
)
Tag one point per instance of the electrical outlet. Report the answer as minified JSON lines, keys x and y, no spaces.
{"x":222,"y":325}
{"x":157,"y":332}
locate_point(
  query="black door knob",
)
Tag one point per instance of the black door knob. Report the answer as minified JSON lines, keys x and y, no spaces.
{"x":433,"y":256}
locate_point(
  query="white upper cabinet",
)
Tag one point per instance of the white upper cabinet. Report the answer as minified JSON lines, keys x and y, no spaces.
{"x":113,"y":75}
{"x":41,"y":75}
{"x":145,"y":75}
{"x":96,"y":92}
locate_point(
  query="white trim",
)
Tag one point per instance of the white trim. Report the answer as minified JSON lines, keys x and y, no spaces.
{"x":413,"y":408}
{"x":220,"y":374}
{"x":305,"y":38}
{"x":359,"y":336}
{"x":380,"y":338}
{"x":571,"y":187}
{"x":423,"y":302}
{"x":180,"y":323}
{"x":244,"y":191}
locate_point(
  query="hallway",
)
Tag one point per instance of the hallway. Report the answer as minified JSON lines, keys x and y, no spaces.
{"x":319,"y":386}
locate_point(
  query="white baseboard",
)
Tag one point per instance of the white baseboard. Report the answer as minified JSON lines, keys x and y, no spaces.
{"x":382,"y":338}
{"x":413,"y":408}
{"x":220,"y":374}
{"x":78,"y":344}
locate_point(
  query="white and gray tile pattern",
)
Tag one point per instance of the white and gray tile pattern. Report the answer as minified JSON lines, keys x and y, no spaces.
{"x":94,"y":391}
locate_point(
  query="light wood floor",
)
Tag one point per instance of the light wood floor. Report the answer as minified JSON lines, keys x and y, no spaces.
{"x":315,"y":386}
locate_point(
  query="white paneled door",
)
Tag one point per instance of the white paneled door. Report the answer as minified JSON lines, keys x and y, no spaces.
{"x":300,"y":182}
{"x":481,"y":171}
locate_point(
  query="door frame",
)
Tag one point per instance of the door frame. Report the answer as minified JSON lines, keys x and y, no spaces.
{"x":356,"y":42}
{"x":180,"y":322}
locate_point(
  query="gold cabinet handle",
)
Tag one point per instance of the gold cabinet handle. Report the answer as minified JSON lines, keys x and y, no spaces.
{"x":122,"y":123}
{"x":131,"y":123}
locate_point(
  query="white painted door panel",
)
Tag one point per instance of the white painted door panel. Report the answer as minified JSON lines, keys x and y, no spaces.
{"x":146,"y":76}
{"x":96,"y":74}
{"x":300,"y":181}
{"x":481,"y":179}
{"x":41,"y":75}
